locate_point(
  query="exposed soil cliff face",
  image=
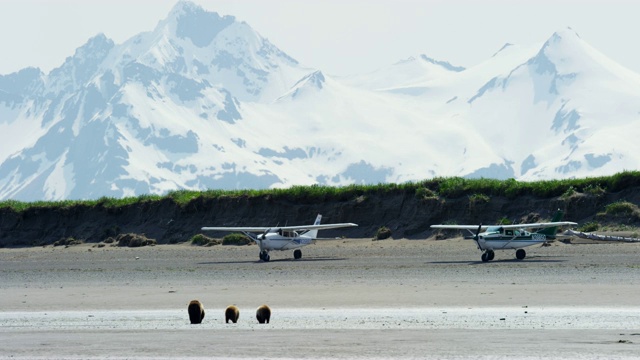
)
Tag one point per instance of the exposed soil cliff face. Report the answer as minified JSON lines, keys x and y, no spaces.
{"x":403,"y":212}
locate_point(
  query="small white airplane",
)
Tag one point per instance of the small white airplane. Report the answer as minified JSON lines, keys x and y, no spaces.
{"x":282,"y":237}
{"x":503,"y":237}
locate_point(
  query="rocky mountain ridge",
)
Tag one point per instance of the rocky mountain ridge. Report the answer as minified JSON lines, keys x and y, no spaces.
{"x":203,"y":101}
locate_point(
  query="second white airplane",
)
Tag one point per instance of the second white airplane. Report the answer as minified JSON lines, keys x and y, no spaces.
{"x":282,"y":237}
{"x":503,"y":237}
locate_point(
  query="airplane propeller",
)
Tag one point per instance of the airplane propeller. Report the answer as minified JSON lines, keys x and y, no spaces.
{"x":264,"y":234}
{"x":477,"y":237}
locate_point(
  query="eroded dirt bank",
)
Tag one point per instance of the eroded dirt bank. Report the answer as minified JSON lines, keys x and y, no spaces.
{"x":407,"y":215}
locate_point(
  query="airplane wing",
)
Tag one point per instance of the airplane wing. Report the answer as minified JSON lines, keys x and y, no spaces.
{"x":512,"y":226}
{"x":237,"y":228}
{"x":461,"y":227}
{"x":317,"y":227}
{"x":288,"y":228}
{"x":538,"y":225}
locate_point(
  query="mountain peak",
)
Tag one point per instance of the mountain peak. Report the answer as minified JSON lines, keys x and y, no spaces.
{"x":424,"y":58}
{"x":563,"y":53}
{"x":97,"y":43}
{"x":504,"y":47}
{"x":95,"y":49}
{"x":79,"y":68}
{"x":566,"y":35}
{"x":12,"y":86}
{"x":312,"y":82}
{"x":185,"y":5}
{"x":196,"y":24}
{"x":315,"y":79}
{"x":444,"y":64}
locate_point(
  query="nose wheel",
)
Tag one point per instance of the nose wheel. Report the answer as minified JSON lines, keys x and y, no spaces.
{"x":488,"y":255}
{"x":264,"y":256}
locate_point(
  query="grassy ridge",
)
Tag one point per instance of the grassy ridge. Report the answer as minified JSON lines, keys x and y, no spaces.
{"x":451,"y":187}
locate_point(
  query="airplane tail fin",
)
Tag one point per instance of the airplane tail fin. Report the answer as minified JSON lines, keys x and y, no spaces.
{"x":314,"y":233}
{"x":551,"y":231}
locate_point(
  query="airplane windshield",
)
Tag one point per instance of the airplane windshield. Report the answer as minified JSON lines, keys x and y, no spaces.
{"x":493,"y":229}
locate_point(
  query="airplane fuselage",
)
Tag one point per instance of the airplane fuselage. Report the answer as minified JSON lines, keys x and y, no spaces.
{"x":279,"y":242}
{"x":501,"y":242}
{"x":496,"y":238}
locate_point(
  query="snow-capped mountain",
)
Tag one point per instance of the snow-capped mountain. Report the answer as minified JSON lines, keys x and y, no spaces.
{"x":203,"y":101}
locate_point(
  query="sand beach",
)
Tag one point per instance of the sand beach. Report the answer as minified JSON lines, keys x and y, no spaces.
{"x":347,"y":298}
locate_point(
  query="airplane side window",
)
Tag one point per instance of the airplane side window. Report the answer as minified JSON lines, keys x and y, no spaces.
{"x":509,"y":232}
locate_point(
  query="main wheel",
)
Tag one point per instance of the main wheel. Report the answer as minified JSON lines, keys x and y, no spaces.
{"x":266,"y":257}
{"x":297,"y":254}
{"x":520,"y":254}
{"x":485,"y":257}
{"x":491,"y":254}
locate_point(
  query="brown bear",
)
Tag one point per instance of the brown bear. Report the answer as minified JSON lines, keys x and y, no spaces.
{"x":231,"y":313}
{"x":263,"y":314}
{"x":196,"y":311}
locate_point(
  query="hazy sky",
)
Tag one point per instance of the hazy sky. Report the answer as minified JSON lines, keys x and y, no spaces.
{"x":339,"y":37}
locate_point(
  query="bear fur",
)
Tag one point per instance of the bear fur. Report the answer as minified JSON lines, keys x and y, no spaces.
{"x":231,"y":313}
{"x":263,"y":314}
{"x":196,"y":311}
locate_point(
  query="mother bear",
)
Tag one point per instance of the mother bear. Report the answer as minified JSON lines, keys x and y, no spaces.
{"x":196,"y":311}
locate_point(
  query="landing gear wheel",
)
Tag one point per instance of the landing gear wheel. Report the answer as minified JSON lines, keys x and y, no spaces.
{"x":297,"y":254}
{"x":520,"y":254}
{"x":485,"y":257}
{"x":264,"y":256}
{"x":491,"y":254}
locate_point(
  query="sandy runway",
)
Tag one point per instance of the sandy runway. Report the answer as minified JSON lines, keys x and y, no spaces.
{"x":344,"y":299}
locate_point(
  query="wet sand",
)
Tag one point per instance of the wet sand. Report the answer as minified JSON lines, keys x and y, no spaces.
{"x":344,"y":299}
